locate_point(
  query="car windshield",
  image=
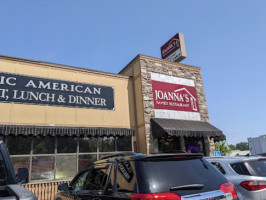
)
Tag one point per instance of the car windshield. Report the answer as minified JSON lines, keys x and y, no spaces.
{"x":258,"y":167}
{"x":161,"y":176}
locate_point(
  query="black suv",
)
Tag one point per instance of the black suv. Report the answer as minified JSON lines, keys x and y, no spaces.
{"x":9,"y":189}
{"x":149,"y":177}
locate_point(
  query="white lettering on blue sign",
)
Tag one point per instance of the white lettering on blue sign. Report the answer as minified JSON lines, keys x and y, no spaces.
{"x":24,"y":89}
{"x":217,"y":153}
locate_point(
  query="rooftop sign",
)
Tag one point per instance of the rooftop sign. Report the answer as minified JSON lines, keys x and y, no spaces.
{"x":174,"y":50}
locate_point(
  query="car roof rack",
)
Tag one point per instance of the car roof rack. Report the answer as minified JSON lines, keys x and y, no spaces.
{"x":119,"y":155}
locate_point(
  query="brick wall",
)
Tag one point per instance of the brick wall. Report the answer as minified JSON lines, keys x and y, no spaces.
{"x":149,"y":65}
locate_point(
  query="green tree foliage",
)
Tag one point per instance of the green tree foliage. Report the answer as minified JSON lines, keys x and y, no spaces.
{"x":242,"y":146}
{"x":233,"y":147}
{"x":221,"y":146}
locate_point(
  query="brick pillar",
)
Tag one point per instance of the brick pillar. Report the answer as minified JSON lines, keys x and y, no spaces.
{"x":209,"y":146}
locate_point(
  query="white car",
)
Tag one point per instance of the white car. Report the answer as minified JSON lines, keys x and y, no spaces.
{"x":247,"y":173}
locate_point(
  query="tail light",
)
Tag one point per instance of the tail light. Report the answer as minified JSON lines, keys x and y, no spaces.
{"x":229,"y":188}
{"x":156,"y":196}
{"x":253,"y":185}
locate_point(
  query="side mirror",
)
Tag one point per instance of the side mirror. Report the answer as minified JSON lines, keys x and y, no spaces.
{"x":23,"y":175}
{"x":63,"y":187}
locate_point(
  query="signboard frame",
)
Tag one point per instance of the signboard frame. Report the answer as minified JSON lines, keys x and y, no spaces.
{"x":174,"y":107}
{"x":174,"y":50}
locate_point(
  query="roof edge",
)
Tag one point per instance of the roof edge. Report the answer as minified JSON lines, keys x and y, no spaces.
{"x":60,"y":66}
{"x":154,"y":59}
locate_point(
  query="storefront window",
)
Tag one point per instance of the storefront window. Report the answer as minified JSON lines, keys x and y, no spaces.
{"x":19,"y":145}
{"x":86,"y":159}
{"x":44,"y":145}
{"x":20,"y":162}
{"x":106,"y":144}
{"x":48,"y":161}
{"x":169,"y":143}
{"x":124,"y":143}
{"x":88,"y":144}
{"x":101,"y":156}
{"x":42,"y":168}
{"x":65,"y":166}
{"x":66,"y":144}
{"x":194,"y":144}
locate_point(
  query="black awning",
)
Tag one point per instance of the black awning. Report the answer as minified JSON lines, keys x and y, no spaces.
{"x":160,"y":127}
{"x":63,"y":131}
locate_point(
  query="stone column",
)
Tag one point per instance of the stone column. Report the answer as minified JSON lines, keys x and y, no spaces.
{"x":212,"y":146}
{"x":209,"y":146}
{"x":182,"y":143}
{"x":150,"y":65}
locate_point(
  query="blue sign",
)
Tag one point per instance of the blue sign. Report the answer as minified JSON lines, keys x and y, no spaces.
{"x":192,"y":148}
{"x":217,"y":153}
{"x":32,"y":90}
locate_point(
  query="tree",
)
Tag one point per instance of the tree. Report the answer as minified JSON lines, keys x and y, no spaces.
{"x":242,"y":146}
{"x":221,"y":146}
{"x":233,"y":147}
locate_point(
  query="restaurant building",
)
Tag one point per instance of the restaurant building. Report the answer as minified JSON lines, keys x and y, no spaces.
{"x":55,"y":119}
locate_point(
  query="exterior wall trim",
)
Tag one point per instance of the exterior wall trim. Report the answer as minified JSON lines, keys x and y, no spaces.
{"x":60,"y":66}
{"x":68,"y":125}
{"x":63,"y":131}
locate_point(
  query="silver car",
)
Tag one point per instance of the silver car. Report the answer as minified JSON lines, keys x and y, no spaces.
{"x":247,"y":173}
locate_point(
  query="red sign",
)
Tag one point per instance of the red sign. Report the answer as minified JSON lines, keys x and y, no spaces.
{"x":171,"y":46}
{"x":169,"y":96}
{"x":192,"y":148}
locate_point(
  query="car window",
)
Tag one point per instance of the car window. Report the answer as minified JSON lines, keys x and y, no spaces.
{"x":219,"y":167}
{"x":80,"y":181}
{"x":97,"y":178}
{"x":258,"y":167}
{"x":159,"y":176}
{"x":240,"y":169}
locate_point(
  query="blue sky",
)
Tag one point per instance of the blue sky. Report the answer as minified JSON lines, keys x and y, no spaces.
{"x":225,"y":38}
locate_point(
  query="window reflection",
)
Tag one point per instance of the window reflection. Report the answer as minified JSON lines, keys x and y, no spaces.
{"x":20,"y":162}
{"x":124,"y":143}
{"x":68,"y":160}
{"x":42,"y":168}
{"x":44,"y":145}
{"x":66,"y":166}
{"x":88,"y":144}
{"x":66,"y":144}
{"x":19,"y":145}
{"x":106,"y":144}
{"x":86,"y":159}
